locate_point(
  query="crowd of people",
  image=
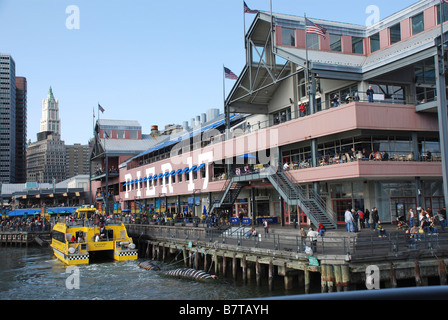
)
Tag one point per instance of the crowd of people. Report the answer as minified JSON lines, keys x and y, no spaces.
{"x":24,"y":223}
{"x":421,"y":221}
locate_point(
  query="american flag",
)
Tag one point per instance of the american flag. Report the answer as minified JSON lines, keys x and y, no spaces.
{"x":100,"y":108}
{"x":247,"y":10}
{"x":229,"y":74}
{"x":446,"y":1}
{"x":311,"y":27}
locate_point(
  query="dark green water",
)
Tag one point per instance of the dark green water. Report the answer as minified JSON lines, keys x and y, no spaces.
{"x":34,"y":273}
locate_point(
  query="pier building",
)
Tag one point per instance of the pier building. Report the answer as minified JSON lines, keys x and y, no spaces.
{"x":303,"y":138}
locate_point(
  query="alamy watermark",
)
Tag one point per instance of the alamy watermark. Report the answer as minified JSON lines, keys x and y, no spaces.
{"x":73,"y":21}
{"x":372,"y":277}
{"x":73,"y":280}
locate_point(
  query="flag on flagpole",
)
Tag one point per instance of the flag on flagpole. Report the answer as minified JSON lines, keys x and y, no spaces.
{"x":312,"y":27}
{"x":446,"y":1}
{"x":101,"y":108}
{"x":248,"y":10}
{"x":229,"y":74}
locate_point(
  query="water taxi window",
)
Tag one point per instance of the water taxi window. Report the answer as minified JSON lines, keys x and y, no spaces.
{"x":59,"y":236}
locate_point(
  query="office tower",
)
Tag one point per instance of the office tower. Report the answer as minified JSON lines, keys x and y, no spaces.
{"x":7,"y":119}
{"x":21,"y":128}
{"x":50,"y":114}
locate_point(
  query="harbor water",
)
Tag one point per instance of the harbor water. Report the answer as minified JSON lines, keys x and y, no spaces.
{"x":34,"y":273}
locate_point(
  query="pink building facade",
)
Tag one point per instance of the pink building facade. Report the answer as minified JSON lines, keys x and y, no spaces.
{"x":296,"y":135}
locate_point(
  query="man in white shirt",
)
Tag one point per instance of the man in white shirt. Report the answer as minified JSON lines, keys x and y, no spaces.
{"x":348,"y":221}
{"x":312,"y":235}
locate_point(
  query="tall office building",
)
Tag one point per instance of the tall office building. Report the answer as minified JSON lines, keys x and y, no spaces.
{"x":7,"y":119}
{"x":46,"y":157}
{"x":50,"y":114}
{"x":21,"y":129}
{"x":77,"y":159}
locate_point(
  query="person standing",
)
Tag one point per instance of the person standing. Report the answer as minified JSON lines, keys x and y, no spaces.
{"x":266,"y":227}
{"x":370,"y":93}
{"x":367,"y":217}
{"x":348,"y":220}
{"x":411,"y":216}
{"x":375,"y":218}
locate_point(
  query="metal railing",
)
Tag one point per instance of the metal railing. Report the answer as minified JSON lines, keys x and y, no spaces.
{"x":353,"y":247}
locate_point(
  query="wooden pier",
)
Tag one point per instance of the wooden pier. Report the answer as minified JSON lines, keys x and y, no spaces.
{"x":268,"y":265}
{"x":24,"y":238}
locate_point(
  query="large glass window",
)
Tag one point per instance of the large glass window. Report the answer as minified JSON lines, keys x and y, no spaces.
{"x":335,"y":42}
{"x":375,"y":42}
{"x":288,"y":37}
{"x":395,"y":33}
{"x":418,"y":24}
{"x":358,"y":45}
{"x":312,"y":41}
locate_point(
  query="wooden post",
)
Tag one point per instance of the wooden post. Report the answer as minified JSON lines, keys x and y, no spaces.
{"x":258,"y":272}
{"x":184,"y":252}
{"x":442,"y":272}
{"x":338,"y":277}
{"x":215,"y":258}
{"x":323,"y":277}
{"x":234,"y":266}
{"x":224,"y":265}
{"x":271,"y":275}
{"x":205,"y":262}
{"x":196,"y":262}
{"x":393,"y":277}
{"x":418,"y":279}
{"x":330,"y":278}
{"x":244,"y":267}
{"x":307,"y":280}
{"x":345,"y":270}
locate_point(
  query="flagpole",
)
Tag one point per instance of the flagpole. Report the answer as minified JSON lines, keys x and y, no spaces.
{"x":307,"y":67}
{"x":244,"y":25}
{"x":442,"y":36}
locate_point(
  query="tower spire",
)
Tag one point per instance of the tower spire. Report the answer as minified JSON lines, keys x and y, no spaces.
{"x":50,"y":94}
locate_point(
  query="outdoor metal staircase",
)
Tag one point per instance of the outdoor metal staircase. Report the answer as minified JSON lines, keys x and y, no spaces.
{"x":309,"y":201}
{"x":230,"y":192}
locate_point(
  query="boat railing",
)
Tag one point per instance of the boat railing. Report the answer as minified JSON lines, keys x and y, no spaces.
{"x":89,"y":223}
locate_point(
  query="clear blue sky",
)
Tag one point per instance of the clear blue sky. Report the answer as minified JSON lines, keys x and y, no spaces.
{"x":158,"y":62}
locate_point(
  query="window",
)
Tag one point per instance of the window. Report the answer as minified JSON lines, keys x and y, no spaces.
{"x":335,"y":42}
{"x":288,"y":37}
{"x":444,"y":13}
{"x":133,"y":134}
{"x":418,"y":24}
{"x":375,"y":42}
{"x":312,"y":41}
{"x":395,"y":33}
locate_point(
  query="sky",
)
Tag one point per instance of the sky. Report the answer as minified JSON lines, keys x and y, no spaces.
{"x":157,"y":62}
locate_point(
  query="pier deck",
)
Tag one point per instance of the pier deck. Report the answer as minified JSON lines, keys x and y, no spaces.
{"x":340,"y":262}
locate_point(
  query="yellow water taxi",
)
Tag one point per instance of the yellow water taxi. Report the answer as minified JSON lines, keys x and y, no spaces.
{"x":76,"y":242}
